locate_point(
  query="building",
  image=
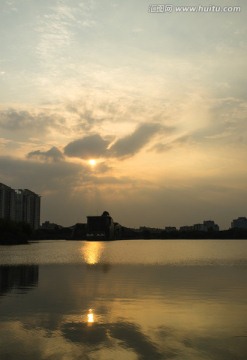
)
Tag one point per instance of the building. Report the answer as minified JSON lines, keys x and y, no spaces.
{"x":210,"y":225}
{"x":47,"y":225}
{"x":170,"y":229}
{"x":100,"y":227}
{"x":207,"y":226}
{"x":28,"y":207}
{"x":199,"y":227}
{"x":239,"y":223}
{"x":150,"y":230}
{"x":20,"y":205}
{"x":186,"y":228}
{"x":7,"y":202}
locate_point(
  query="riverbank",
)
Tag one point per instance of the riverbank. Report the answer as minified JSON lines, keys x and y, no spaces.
{"x":67,"y":234}
{"x":13,"y":233}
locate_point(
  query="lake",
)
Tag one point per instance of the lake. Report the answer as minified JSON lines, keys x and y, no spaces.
{"x":136,"y":299}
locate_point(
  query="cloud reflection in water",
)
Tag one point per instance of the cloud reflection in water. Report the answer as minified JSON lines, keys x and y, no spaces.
{"x":128,"y":335}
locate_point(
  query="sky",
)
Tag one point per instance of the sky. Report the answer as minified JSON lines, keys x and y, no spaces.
{"x":158,"y":100}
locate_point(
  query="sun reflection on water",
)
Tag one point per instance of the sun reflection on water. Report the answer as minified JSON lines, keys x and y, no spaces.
{"x":91,"y":252}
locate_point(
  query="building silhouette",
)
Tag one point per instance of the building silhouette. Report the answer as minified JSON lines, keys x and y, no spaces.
{"x":239,"y":223}
{"x":21,"y":205}
{"x":101,"y":227}
{"x":170,"y":229}
{"x":7,"y":202}
{"x":206,"y":226}
{"x":210,"y":225}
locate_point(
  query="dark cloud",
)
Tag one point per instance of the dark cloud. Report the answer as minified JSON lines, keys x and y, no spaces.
{"x":54,"y":154}
{"x":95,"y":146}
{"x":67,"y":189}
{"x":131,"y":144}
{"x":55,"y":176}
{"x":44,"y":175}
{"x":87,"y":147}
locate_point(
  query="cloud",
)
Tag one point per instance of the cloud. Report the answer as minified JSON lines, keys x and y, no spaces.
{"x":127,"y":146}
{"x":178,"y":142}
{"x":87,"y":147}
{"x":55,"y":32}
{"x":28,"y":121}
{"x":131,"y":144}
{"x":54,"y":154}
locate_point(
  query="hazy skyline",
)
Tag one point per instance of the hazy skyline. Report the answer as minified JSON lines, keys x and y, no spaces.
{"x":157,"y":100}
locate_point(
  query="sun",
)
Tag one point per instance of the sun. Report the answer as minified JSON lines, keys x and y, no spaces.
{"x":92,"y":162}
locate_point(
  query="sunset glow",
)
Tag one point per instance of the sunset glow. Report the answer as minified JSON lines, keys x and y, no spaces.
{"x":90,"y":316}
{"x":111,"y":105}
{"x":92,"y":162}
{"x":123,"y":180}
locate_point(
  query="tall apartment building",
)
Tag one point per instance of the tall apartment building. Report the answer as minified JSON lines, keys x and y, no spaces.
{"x":20,"y":205}
{"x":7,"y":202}
{"x":27,"y":207}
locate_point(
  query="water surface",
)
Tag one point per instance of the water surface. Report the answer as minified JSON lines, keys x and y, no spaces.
{"x":150,"y":299}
